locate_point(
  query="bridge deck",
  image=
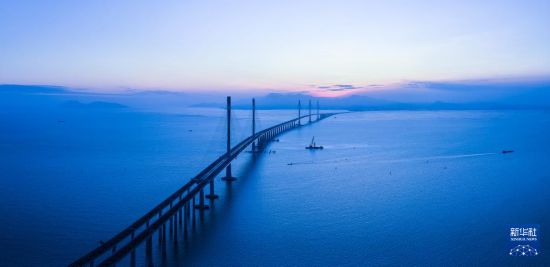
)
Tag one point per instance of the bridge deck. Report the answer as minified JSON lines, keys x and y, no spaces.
{"x":143,"y":229}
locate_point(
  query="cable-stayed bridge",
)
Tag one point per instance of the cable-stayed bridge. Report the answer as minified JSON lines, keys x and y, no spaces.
{"x":172,"y":219}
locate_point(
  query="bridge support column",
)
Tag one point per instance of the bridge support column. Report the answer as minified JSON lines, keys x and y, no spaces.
{"x":185,"y":220}
{"x":160,"y":230}
{"x":133,"y":258}
{"x":175,"y":228}
{"x":171,"y":222}
{"x":163,"y":244}
{"x":228,"y":176}
{"x":201,"y":206}
{"x":263,"y":141}
{"x":318,"y":116}
{"x":309,"y":111}
{"x":193,"y":211}
{"x":180,"y":216}
{"x":299,"y":113}
{"x":212,"y":195}
{"x":149,"y":251}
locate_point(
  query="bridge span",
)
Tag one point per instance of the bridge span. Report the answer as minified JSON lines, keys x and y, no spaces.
{"x":171,"y":219}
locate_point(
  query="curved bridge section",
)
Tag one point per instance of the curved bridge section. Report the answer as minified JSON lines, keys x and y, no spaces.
{"x":177,"y":212}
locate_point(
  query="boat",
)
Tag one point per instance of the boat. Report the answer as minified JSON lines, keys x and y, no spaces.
{"x":507,"y":151}
{"x":312,"y":145}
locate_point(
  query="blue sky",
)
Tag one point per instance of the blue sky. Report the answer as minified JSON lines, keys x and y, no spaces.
{"x":271,"y":45}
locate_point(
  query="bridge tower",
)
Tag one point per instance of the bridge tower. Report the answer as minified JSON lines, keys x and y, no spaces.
{"x":299,"y":113}
{"x":228,"y":177}
{"x":318,"y":116}
{"x":309,"y":111}
{"x":253,"y":123}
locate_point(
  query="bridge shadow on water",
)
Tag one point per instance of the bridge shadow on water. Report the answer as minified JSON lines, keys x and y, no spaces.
{"x":209,"y":221}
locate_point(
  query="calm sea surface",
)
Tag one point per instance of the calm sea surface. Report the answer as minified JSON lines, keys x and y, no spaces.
{"x":390,"y":188}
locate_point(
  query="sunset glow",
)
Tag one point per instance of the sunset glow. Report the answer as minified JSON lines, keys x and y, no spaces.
{"x":281,"y":45}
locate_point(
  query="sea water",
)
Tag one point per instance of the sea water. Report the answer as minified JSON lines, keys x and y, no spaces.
{"x":389,"y":187}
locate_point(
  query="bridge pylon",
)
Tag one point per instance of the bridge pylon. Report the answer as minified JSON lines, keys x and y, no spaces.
{"x":299,"y":113}
{"x":309,"y":111}
{"x":318,"y":116}
{"x":228,"y":176}
{"x":254,"y":146}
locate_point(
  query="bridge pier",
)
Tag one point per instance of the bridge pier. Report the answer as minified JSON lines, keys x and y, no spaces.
{"x":163,"y":243}
{"x":309,"y":111}
{"x":201,"y":206}
{"x":149,"y":251}
{"x":212,"y":195}
{"x":175,"y":236}
{"x":193,"y":211}
{"x":228,"y":176}
{"x":318,"y":116}
{"x":133,"y":258}
{"x":185,"y":220}
{"x":180,"y":216}
{"x":171,"y":221}
{"x":160,"y":229}
{"x":299,"y":114}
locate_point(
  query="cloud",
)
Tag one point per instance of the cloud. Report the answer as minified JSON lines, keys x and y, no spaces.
{"x":525,"y":91}
{"x":338,"y":87}
{"x":345,"y":86}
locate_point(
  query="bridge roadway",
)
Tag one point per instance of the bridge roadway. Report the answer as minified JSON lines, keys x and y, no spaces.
{"x":178,"y":206}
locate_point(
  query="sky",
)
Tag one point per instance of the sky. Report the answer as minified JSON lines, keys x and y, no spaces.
{"x":322,"y":47}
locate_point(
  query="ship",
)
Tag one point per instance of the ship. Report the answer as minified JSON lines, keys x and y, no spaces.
{"x":312,"y":145}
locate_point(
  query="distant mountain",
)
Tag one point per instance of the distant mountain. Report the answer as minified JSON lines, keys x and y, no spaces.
{"x":356,"y":103}
{"x":92,"y":105}
{"x":352,"y":103}
{"x":428,"y":97}
{"x":290,"y":101}
{"x":30,"y":89}
{"x":39,"y":98}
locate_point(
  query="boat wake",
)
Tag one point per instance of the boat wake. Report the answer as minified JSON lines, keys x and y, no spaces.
{"x":442,"y":157}
{"x":370,"y":158}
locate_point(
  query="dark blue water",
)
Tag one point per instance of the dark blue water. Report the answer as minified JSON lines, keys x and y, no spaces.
{"x":390,"y":188}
